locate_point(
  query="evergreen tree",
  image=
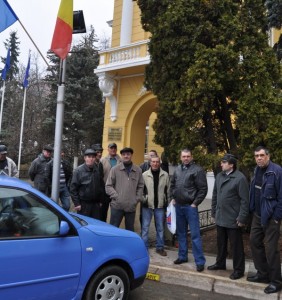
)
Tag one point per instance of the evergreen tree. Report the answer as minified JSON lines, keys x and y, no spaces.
{"x":216,"y":78}
{"x":12,"y":97}
{"x":13,"y":44}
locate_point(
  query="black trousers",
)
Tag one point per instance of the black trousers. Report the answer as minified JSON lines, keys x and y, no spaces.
{"x":236,"y":241}
{"x":104,"y":208}
{"x":90,"y":209}
{"x":117,"y":216}
{"x":265,"y":248}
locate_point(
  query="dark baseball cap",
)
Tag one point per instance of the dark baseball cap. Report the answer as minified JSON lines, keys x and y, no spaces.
{"x":48,"y":148}
{"x":3,"y":149}
{"x":112,"y":145}
{"x":230,"y":158}
{"x":126,"y":149}
{"x":90,"y":152}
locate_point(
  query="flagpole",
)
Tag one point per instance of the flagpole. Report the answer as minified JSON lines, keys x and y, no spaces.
{"x":2,"y":104}
{"x":58,"y":132}
{"x":21,"y":134}
{"x":34,"y":44}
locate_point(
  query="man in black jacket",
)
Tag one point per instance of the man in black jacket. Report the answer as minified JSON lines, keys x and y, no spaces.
{"x":40,"y":169}
{"x":187,"y":190}
{"x":86,"y":187}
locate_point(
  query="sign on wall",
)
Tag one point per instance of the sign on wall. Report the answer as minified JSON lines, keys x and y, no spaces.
{"x":114,"y":134}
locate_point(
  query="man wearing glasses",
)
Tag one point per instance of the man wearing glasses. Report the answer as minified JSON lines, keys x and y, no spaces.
{"x":266,"y":207}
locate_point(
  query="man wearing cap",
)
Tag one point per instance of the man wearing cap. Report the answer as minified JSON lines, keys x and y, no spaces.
{"x":39,"y":171}
{"x":124,"y":186}
{"x":86,"y":187}
{"x":266,"y":209}
{"x":230,"y":208}
{"x":108,"y":162}
{"x":7,"y":165}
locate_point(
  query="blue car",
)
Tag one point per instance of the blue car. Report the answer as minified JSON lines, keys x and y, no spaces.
{"x":47,"y":253}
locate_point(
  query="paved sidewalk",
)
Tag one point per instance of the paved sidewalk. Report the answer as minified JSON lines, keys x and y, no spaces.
{"x":214,"y":281}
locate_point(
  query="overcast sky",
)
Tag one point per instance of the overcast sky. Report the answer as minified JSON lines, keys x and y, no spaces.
{"x":39,"y":18}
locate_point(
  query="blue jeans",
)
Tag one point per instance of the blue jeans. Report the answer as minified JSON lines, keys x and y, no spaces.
{"x":147,"y":214}
{"x":185,"y":214}
{"x":65,"y":197}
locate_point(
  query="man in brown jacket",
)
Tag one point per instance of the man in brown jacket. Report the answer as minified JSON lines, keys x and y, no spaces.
{"x":125,"y":188}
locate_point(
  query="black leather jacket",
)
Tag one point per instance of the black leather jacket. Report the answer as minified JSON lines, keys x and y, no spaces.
{"x":86,"y":185}
{"x":189,"y":186}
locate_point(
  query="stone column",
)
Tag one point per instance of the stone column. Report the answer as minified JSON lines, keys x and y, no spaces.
{"x":126,"y":22}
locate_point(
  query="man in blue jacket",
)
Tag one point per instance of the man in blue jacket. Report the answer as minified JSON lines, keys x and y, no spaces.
{"x":266,"y":207}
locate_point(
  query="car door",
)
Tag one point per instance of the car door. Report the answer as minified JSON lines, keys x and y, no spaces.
{"x":36,"y":262}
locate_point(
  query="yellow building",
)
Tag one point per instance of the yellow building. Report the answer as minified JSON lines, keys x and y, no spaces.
{"x":129,"y":108}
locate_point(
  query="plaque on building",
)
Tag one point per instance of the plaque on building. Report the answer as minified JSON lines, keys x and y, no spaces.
{"x":114,"y":134}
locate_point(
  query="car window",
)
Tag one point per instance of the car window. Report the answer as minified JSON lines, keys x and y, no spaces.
{"x":22,"y":214}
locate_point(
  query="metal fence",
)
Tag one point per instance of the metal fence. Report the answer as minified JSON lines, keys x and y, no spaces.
{"x":206,"y":219}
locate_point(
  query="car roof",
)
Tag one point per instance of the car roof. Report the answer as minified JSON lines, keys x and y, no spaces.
{"x":14,"y":182}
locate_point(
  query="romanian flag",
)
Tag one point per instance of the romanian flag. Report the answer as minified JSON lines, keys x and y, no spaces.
{"x":62,"y":37}
{"x":7,"y":15}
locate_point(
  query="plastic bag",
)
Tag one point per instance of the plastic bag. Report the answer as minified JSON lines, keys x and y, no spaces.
{"x":171,"y":218}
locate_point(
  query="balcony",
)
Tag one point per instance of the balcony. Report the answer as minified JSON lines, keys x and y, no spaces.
{"x":125,"y":57}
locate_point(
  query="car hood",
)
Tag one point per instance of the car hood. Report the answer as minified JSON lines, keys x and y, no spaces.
{"x":105,"y":229}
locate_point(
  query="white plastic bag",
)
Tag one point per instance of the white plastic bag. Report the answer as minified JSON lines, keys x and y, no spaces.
{"x":171,"y":218}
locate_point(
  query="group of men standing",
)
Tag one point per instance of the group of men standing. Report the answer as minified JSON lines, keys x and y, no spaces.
{"x":115,"y":180}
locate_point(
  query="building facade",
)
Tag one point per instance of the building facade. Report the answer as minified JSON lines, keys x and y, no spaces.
{"x":130,"y":110}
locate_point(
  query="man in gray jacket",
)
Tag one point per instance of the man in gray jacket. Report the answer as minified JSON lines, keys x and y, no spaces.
{"x":230,"y":208}
{"x":125,"y":188}
{"x":108,"y":162}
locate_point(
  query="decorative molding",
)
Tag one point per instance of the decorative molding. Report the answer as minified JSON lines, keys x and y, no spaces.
{"x":107,"y":86}
{"x":142,"y":91}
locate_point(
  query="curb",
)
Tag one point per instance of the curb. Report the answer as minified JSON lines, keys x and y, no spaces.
{"x":211,"y":281}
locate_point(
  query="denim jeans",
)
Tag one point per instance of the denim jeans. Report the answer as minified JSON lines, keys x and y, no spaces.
{"x":188,"y":215}
{"x":147,"y":214}
{"x":65,"y":197}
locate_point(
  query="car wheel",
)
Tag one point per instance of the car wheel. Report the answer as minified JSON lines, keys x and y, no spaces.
{"x":111,"y":282}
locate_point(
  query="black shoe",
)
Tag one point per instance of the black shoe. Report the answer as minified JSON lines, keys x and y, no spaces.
{"x":216,"y":267}
{"x":180,"y":261}
{"x":161,"y":252}
{"x":272,"y":288}
{"x":258,"y":278}
{"x":236,"y":275}
{"x":200,"y":268}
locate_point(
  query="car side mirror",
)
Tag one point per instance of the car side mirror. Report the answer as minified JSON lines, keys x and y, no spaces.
{"x":64,"y":228}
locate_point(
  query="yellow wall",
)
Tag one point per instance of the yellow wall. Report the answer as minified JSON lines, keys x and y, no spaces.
{"x":138,"y":34}
{"x":116,"y":23}
{"x":133,"y":114}
{"x":134,"y":107}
